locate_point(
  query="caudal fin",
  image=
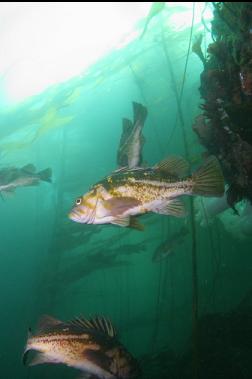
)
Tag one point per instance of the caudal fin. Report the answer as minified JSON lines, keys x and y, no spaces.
{"x":46,"y":175}
{"x":208,"y":180}
{"x":140,"y":113}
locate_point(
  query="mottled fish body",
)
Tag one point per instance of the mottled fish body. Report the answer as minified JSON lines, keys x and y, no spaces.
{"x":130,"y":148}
{"x":127,"y":193}
{"x":12,"y":178}
{"x":88,"y":345}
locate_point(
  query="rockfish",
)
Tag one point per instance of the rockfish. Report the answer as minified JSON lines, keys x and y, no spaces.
{"x":12,"y":177}
{"x":130,"y":148}
{"x":88,"y":345}
{"x":127,"y":193}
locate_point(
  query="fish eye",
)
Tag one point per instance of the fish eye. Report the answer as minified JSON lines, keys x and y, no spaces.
{"x":78,"y":201}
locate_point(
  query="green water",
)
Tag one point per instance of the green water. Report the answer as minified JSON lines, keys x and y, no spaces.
{"x":74,"y":127}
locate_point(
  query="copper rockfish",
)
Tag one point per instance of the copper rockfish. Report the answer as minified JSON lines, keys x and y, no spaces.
{"x":88,"y":345}
{"x":127,"y":193}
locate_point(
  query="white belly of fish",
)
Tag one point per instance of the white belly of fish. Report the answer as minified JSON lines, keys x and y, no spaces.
{"x":91,"y":368}
{"x":103,"y":216}
{"x":144,"y":208}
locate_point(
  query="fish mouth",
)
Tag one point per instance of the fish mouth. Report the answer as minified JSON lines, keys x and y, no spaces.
{"x":77,"y":216}
{"x":81,"y":216}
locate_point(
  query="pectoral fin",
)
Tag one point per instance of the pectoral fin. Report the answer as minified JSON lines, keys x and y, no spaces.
{"x":118,"y":205}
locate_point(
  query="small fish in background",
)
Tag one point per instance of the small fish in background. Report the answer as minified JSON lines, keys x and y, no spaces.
{"x":76,"y":267}
{"x":196,"y":47}
{"x":102,"y":260}
{"x":130,"y":148}
{"x":156,"y":8}
{"x":129,"y":249}
{"x":126,"y":193}
{"x":89,"y":345}
{"x":166,"y":248}
{"x":12,"y":177}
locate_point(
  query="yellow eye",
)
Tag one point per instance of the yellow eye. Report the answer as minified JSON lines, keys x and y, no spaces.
{"x":78,"y":201}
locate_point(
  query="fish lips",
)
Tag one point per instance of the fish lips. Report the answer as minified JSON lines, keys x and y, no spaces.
{"x":77,"y":216}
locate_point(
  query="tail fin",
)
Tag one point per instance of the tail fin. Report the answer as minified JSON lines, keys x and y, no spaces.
{"x":208,"y":180}
{"x":140,"y":113}
{"x":46,"y":175}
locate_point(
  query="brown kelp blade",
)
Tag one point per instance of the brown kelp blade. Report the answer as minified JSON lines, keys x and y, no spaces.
{"x":156,"y":8}
{"x":208,"y":180}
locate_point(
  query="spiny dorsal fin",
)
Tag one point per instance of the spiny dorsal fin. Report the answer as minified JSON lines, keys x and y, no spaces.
{"x":173,"y":165}
{"x":29,"y":168}
{"x":98,"y":323}
{"x":47,"y":322}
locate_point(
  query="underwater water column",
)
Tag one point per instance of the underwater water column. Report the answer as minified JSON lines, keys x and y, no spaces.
{"x":137,"y":81}
{"x":178,"y":97}
{"x":49,"y":285}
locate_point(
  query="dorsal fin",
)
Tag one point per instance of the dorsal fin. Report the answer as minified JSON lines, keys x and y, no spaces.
{"x":98,"y":323}
{"x":173,"y":165}
{"x":29,"y":168}
{"x":47,"y":322}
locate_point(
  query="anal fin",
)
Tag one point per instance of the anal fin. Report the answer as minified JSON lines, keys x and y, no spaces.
{"x":172,"y":208}
{"x":135,"y":224}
